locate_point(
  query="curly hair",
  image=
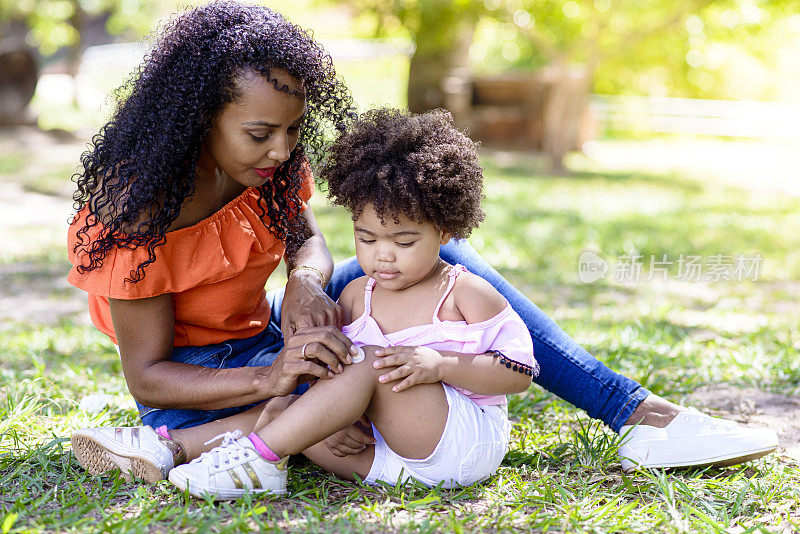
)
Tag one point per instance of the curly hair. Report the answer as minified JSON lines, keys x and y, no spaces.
{"x":420,"y":166}
{"x":140,"y":167}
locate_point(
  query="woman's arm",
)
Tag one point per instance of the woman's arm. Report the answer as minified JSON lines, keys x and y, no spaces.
{"x":145,"y":333}
{"x":305,"y":303}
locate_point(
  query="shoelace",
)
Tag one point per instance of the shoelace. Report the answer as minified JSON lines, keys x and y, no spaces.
{"x":228,"y":450}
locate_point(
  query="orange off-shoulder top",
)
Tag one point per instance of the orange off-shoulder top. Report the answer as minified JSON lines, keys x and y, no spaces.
{"x":215,"y":271}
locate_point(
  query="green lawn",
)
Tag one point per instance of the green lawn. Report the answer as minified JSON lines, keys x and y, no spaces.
{"x":562,"y":473}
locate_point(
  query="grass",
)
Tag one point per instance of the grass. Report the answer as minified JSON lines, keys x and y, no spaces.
{"x":562,"y":473}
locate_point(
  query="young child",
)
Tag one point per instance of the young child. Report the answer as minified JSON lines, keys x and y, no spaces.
{"x":449,"y":346}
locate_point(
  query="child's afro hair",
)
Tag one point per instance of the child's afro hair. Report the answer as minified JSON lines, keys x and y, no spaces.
{"x":420,"y":166}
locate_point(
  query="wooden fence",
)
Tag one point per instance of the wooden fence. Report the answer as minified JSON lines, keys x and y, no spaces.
{"x":766,"y":120}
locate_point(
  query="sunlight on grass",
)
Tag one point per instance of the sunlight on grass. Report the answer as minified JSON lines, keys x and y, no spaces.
{"x":562,"y":472}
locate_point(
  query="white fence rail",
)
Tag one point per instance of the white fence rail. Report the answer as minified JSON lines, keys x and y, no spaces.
{"x":766,"y":120}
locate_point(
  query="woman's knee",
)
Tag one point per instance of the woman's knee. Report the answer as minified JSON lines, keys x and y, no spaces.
{"x":344,"y":272}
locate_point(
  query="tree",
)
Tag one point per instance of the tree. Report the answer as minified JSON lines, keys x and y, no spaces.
{"x":575,"y":39}
{"x":56,"y":24}
{"x":441,"y":31}
{"x":591,"y":42}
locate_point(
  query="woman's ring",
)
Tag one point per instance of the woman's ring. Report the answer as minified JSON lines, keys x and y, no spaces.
{"x":304,"y":350}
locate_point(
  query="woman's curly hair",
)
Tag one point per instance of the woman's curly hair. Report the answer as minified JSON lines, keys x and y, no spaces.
{"x":140,"y":167}
{"x":420,"y":166}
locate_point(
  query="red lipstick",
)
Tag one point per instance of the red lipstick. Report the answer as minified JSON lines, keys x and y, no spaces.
{"x":266,"y":172}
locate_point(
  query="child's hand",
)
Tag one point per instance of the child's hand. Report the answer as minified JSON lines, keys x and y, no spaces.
{"x":351,"y":440}
{"x":415,"y":365}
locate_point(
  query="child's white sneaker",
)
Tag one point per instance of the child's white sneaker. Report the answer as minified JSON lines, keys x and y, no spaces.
{"x":693,"y":439}
{"x":137,"y":451}
{"x":230,"y":471}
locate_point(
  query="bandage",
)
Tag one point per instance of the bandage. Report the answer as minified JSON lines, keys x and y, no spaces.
{"x":360,"y":356}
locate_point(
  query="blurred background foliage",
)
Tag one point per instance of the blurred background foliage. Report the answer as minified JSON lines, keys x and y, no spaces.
{"x":734,"y":49}
{"x":54,"y":24}
{"x":430,"y":50}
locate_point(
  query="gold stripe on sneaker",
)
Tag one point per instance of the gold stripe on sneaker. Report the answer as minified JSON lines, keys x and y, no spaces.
{"x":236,"y":480}
{"x":252,"y":474}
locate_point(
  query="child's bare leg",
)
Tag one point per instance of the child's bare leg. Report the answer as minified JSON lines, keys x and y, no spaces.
{"x":193,"y":439}
{"x":411,"y":421}
{"x":344,"y":467}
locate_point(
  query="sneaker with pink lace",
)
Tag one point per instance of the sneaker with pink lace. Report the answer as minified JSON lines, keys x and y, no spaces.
{"x":231,"y":470}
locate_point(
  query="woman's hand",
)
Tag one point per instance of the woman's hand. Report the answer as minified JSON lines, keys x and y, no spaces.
{"x":415,"y":365}
{"x":311,"y":353}
{"x":305,"y":304}
{"x":351,"y":440}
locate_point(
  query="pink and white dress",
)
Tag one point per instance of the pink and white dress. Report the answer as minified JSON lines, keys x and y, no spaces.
{"x":476,"y":433}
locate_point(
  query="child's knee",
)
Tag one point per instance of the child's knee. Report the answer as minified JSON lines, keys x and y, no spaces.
{"x":369,"y":352}
{"x":369,"y":356}
{"x":367,"y":364}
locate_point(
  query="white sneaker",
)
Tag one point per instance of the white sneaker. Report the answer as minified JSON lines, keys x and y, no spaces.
{"x":230,"y":471}
{"x":135,"y":451}
{"x":693,"y":439}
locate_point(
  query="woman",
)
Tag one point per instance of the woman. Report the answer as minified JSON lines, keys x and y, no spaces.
{"x":188,"y":199}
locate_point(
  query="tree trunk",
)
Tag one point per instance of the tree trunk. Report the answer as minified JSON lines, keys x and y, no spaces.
{"x":76,"y":49}
{"x":19,"y":73}
{"x":440,"y":64}
{"x":566,"y":105}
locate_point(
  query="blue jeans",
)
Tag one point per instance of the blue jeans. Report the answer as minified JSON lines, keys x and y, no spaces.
{"x":256,"y":351}
{"x":567,"y":370}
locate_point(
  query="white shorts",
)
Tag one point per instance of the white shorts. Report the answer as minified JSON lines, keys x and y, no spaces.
{"x":474,"y":442}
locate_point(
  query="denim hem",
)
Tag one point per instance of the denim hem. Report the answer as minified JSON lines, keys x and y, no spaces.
{"x":628,"y":408}
{"x":625,"y":410}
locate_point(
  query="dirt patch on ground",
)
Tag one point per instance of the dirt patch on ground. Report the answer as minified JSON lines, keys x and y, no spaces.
{"x":755,"y":407}
{"x":37,"y":294}
{"x":33,"y":227}
{"x":33,"y":233}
